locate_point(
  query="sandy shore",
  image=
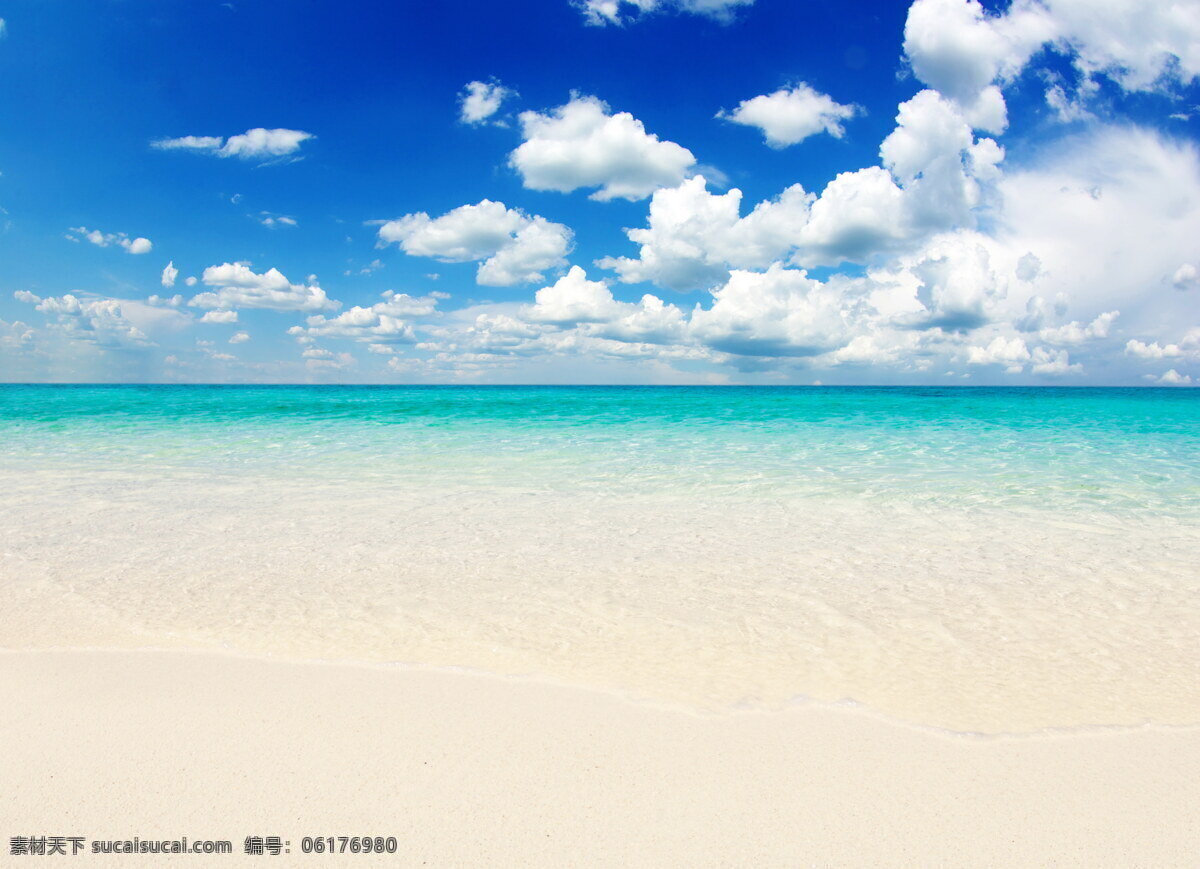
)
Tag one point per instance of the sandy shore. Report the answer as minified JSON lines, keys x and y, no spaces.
{"x":472,"y":770}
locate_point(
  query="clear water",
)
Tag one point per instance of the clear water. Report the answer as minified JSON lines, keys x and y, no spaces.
{"x":1109,"y":449}
{"x":984,"y":560}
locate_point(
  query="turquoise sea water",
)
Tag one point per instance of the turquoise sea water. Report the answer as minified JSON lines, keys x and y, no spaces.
{"x":982,"y":560}
{"x":1106,"y":449}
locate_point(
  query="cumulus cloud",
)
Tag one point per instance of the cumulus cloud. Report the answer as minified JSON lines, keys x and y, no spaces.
{"x":15,"y":335}
{"x":601,"y":12}
{"x":236,"y":285}
{"x":383,"y":323}
{"x":790,"y":115}
{"x":1172,"y":378}
{"x":239,"y":338}
{"x":1009,"y":352}
{"x":1054,"y":362}
{"x":110,"y":239}
{"x":256,"y":144}
{"x":968,"y":54}
{"x":1142,"y":350}
{"x":934,"y":175}
{"x":779,"y":312}
{"x":219,"y":317}
{"x":573,"y":299}
{"x":481,"y":100}
{"x":99,"y":321}
{"x":1077,"y":333}
{"x":959,"y":50}
{"x":1188,"y":348}
{"x":169,"y":274}
{"x":694,"y":237}
{"x":511,"y":246}
{"x":580,"y":145}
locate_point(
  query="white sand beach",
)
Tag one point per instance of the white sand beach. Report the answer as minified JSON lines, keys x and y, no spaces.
{"x":475,"y":770}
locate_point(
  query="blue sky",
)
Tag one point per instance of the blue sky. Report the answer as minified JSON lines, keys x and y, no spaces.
{"x":945,"y":192}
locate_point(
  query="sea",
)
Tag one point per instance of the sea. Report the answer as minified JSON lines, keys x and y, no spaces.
{"x":980,"y":560}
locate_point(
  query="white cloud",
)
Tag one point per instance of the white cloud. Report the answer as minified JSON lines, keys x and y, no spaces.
{"x":1010,"y":352}
{"x":954,"y":47}
{"x":779,"y":312}
{"x":190,"y":143}
{"x":601,"y":12}
{"x":169,"y":274}
{"x":934,"y":175}
{"x":219,"y":317}
{"x":1186,"y":277}
{"x":964,"y":52}
{"x":266,"y":218}
{"x":110,"y":239}
{"x":1076,"y":333}
{"x":1187,"y":348}
{"x":235,"y":285}
{"x":514,"y":247}
{"x":957,"y":282}
{"x":573,"y":299}
{"x":790,"y":115}
{"x":1173,"y":378}
{"x":1068,"y":108}
{"x":16,"y":335}
{"x":1110,"y":215}
{"x":165,"y":301}
{"x":256,"y":144}
{"x":385,"y":322}
{"x":1142,"y":350}
{"x":481,"y":100}
{"x":580,"y":144}
{"x":1137,"y":43}
{"x":97,"y":321}
{"x":358,"y":324}
{"x":239,"y":338}
{"x":331,"y":362}
{"x":1054,"y":362}
{"x":695,"y":236}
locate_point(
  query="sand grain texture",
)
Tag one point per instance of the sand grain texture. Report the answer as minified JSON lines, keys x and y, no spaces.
{"x":473,"y":770}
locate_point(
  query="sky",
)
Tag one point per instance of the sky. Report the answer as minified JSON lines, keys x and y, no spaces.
{"x":600,"y":191}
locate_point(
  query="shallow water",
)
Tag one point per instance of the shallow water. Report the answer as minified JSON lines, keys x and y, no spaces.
{"x":986,"y":560}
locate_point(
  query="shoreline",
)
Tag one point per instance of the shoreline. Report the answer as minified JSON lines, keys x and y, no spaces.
{"x":476,"y":769}
{"x":798,"y":705}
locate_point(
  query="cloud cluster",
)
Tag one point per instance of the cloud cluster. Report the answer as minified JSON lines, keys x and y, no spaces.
{"x":511,"y":246}
{"x":110,"y":239}
{"x":97,"y":321}
{"x":968,"y":55}
{"x":481,"y":100}
{"x":236,"y":285}
{"x":580,"y":145}
{"x":790,"y":115}
{"x":601,"y":12}
{"x":933,"y":175}
{"x":256,"y":144}
{"x":381,"y":324}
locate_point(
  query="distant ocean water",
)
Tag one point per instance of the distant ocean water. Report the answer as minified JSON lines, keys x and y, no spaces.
{"x":1112,"y":449}
{"x":979,"y":559}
